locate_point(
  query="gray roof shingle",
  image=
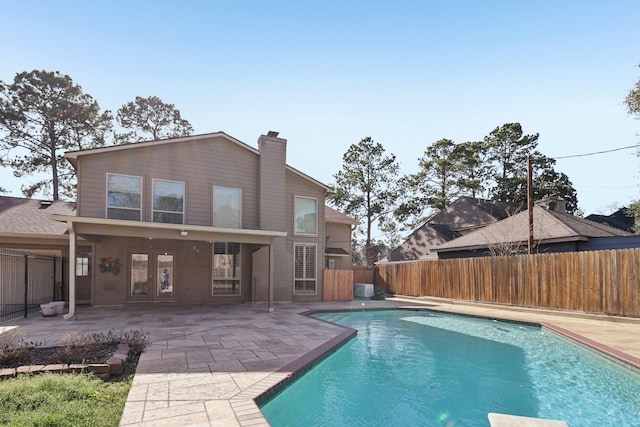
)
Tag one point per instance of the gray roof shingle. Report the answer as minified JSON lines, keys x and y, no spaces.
{"x":548,"y":226}
{"x":462,"y":216}
{"x":30,"y":216}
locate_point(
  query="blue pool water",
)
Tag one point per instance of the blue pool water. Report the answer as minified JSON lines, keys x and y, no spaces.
{"x":418,"y":368}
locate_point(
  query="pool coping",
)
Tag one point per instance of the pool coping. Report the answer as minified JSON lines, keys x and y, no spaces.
{"x":621,"y":358}
{"x":294,"y":370}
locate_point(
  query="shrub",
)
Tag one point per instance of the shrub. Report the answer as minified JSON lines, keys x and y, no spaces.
{"x":378,"y":294}
{"x":136,"y":339}
{"x":74,"y":347}
{"x":13,"y":349}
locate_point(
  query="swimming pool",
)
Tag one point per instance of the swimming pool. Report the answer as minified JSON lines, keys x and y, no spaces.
{"x":423,"y":368}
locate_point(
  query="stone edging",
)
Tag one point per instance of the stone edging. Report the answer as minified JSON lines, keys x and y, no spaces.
{"x":114,"y":366}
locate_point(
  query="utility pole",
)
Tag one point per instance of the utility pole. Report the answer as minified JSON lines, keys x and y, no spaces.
{"x":530,"y":203}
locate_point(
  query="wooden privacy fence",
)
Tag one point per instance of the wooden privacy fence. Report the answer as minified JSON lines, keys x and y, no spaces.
{"x":337,"y":285}
{"x":593,"y":281}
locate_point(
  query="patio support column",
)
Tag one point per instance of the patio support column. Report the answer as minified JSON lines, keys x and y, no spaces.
{"x":72,"y":273}
{"x":271,"y":263}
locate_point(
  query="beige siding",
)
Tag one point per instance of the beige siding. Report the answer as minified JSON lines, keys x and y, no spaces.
{"x":200,"y":164}
{"x":268,"y":191}
{"x":298,"y":186}
{"x":338,"y":235}
{"x":192,"y":270}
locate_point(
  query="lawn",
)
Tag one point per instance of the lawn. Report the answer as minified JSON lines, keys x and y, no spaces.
{"x":60,"y":400}
{"x":66,"y":399}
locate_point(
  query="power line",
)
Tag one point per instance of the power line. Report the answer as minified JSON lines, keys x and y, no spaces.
{"x":596,"y":152}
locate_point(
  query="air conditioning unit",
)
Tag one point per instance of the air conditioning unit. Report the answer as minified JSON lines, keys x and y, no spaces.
{"x":363,"y":290}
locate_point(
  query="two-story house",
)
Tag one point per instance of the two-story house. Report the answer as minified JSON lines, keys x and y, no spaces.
{"x":197,"y":219}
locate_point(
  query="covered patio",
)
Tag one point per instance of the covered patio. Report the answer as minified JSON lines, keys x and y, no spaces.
{"x":93,"y":229}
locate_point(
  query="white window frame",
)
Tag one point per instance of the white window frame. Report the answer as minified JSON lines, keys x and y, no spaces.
{"x":139,"y":209}
{"x":295,"y":216}
{"x":306,"y":246}
{"x":239,"y":195}
{"x":153,"y":208}
{"x":82,"y":266}
{"x":237,"y":278}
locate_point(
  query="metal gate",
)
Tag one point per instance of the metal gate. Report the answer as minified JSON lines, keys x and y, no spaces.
{"x":28,"y":280}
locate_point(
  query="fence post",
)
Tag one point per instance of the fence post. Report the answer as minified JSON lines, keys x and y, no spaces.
{"x":26,"y":283}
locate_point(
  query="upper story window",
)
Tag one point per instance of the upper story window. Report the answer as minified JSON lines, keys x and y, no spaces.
{"x":305,"y":219}
{"x":168,"y":201}
{"x":227,"y":207}
{"x":124,"y":197}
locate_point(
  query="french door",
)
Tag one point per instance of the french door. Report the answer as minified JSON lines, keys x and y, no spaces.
{"x":151,"y":276}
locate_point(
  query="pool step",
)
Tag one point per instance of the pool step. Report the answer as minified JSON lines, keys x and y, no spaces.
{"x":503,"y":420}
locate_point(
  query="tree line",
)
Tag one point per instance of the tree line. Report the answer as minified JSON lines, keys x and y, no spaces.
{"x":44,"y":113}
{"x":370,"y":187}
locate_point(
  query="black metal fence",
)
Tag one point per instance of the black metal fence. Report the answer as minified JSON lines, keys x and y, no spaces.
{"x":28,"y":280}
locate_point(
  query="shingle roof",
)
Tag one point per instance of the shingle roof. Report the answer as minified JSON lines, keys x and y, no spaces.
{"x":332,"y":215}
{"x":619,"y":219}
{"x":548,"y":226}
{"x":30,"y":216}
{"x":463,"y":215}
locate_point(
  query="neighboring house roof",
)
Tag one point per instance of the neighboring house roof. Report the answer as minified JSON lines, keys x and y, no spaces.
{"x":31,"y":216}
{"x":548,"y":227}
{"x":72,"y":156}
{"x":332,"y":215}
{"x":620,"y":219}
{"x":462,"y":216}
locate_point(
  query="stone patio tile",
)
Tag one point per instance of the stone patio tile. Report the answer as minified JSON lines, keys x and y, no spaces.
{"x":200,"y":379}
{"x":158,"y":391}
{"x":172,"y":364}
{"x":199,"y":367}
{"x":224,"y":390}
{"x":132,"y":413}
{"x":264,"y":355}
{"x":221,"y":413}
{"x":138,"y":391}
{"x":184,"y":408}
{"x":245,"y":380}
{"x":199,"y":356}
{"x":156,"y":404}
{"x":161,"y":377}
{"x":221,"y":355}
{"x":227,"y":366}
{"x":254,"y":422}
{"x":263,"y":365}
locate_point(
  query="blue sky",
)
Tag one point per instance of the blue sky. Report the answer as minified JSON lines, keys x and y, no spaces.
{"x":326,"y":74}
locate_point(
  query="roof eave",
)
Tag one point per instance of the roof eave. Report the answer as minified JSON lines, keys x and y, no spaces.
{"x":155,"y":230}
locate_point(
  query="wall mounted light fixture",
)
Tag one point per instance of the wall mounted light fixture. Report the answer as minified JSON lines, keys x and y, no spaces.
{"x":184,"y":233}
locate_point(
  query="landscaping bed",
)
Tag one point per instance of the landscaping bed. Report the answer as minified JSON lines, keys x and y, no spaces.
{"x":112,"y":356}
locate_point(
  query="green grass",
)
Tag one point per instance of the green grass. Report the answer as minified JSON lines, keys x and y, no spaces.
{"x":60,"y":400}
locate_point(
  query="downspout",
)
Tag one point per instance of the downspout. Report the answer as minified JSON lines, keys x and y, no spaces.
{"x":270,"y":303}
{"x":72,"y":274}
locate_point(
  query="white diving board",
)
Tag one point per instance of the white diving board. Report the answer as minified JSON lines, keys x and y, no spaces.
{"x":503,"y":420}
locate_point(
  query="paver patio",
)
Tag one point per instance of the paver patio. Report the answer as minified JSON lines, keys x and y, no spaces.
{"x":205,"y":364}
